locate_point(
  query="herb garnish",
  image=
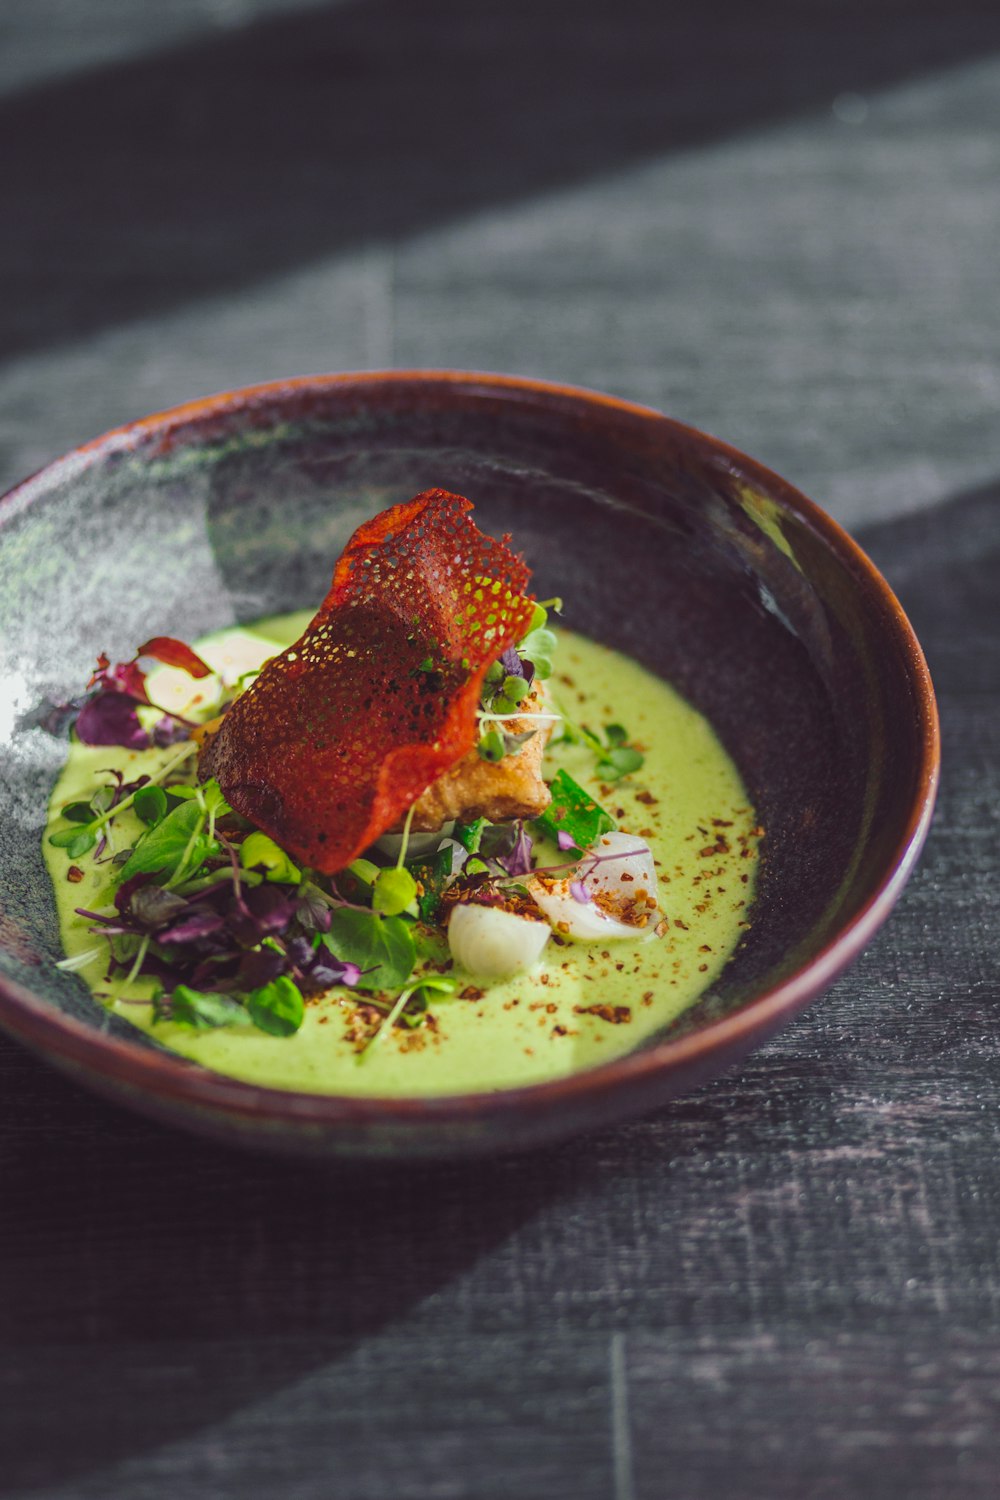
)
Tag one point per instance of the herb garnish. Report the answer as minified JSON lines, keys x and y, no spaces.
{"x":614,"y":757}
{"x":573,"y":815}
{"x":509,"y":682}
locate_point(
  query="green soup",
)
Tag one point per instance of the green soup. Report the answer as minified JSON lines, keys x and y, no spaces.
{"x":583,"y":1003}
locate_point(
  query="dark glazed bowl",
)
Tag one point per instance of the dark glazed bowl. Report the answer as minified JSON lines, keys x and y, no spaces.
{"x":667,"y":544}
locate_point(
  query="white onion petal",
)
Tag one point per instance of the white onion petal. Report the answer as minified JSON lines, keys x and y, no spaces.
{"x":491,"y":943}
{"x":618,"y":881}
{"x":630,"y":872}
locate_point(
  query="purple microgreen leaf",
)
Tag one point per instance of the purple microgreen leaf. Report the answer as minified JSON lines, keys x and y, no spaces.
{"x":579,"y":892}
{"x":515,"y":665}
{"x":153,"y":908}
{"x":260,"y":912}
{"x":518,"y":861}
{"x":128,"y":888}
{"x":564,"y":841}
{"x":312,"y":910}
{"x":124,"y":677}
{"x":110,"y":719}
{"x":259,"y":967}
{"x":202,"y":923}
{"x":169,"y":731}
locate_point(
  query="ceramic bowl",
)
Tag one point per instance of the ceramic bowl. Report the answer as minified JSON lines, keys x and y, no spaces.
{"x":671,"y":546}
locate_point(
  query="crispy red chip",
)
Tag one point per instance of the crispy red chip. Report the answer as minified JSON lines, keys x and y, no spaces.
{"x":343,"y":731}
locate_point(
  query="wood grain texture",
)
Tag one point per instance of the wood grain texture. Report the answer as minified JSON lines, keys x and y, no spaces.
{"x":787,"y":1284}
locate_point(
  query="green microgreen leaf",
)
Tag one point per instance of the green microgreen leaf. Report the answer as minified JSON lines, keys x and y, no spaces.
{"x":621,"y":761}
{"x":470,"y":834}
{"x":491,"y":746}
{"x":213,"y":800}
{"x":394,"y":892}
{"x":75,"y":840}
{"x":161,"y":850}
{"x":414,"y":1012}
{"x":200,"y":1009}
{"x":515,"y":689}
{"x":573,"y":811}
{"x":84,"y":841}
{"x":539,"y":646}
{"x":383,"y":946}
{"x":431,"y":873}
{"x":258,"y":852}
{"x":150,"y":803}
{"x":436,"y":984}
{"x":278,"y":1007}
{"x":614,"y":757}
{"x":78,"y":812}
{"x":103,"y":800}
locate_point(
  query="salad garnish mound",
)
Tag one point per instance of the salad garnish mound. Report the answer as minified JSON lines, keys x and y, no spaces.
{"x":369,"y":813}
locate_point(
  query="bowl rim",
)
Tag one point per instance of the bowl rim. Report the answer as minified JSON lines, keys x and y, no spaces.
{"x":175,"y":1080}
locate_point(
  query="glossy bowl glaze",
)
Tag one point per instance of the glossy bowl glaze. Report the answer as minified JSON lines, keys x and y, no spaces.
{"x":666,"y":544}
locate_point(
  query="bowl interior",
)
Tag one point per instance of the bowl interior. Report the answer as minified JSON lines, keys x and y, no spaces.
{"x":665,"y":545}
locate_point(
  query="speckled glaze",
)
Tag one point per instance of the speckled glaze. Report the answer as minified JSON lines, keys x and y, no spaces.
{"x":665,"y":543}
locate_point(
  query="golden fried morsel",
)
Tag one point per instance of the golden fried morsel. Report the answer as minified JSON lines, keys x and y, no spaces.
{"x":477,"y":788}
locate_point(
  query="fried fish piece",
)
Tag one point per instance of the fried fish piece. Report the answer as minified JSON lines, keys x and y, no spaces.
{"x":502,"y":790}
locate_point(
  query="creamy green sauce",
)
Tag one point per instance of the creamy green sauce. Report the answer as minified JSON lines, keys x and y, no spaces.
{"x":687,"y":802}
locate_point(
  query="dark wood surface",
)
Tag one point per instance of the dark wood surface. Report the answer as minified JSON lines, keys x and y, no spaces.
{"x":779,"y":223}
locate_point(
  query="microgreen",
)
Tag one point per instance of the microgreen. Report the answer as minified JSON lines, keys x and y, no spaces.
{"x":258,"y":852}
{"x":507,"y":845}
{"x":470,"y":834}
{"x":538,"y":647}
{"x":491,"y":746}
{"x":108,"y":802}
{"x":200,"y":1009}
{"x":613,"y":756}
{"x":278,"y":1007}
{"x":364,"y":870}
{"x":79,"y":812}
{"x":394,"y":892}
{"x":574,"y":813}
{"x":161,"y":849}
{"x":432,"y":872}
{"x":620,"y":761}
{"x":75,"y":841}
{"x":109,"y":714}
{"x":150,"y":805}
{"x":410,"y":1005}
{"x":381,"y":947}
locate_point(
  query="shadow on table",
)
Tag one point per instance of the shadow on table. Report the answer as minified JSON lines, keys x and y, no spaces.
{"x":155,"y":1283}
{"x":155,"y":181}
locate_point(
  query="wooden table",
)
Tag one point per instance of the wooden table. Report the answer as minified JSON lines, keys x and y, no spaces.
{"x":778,"y":222}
